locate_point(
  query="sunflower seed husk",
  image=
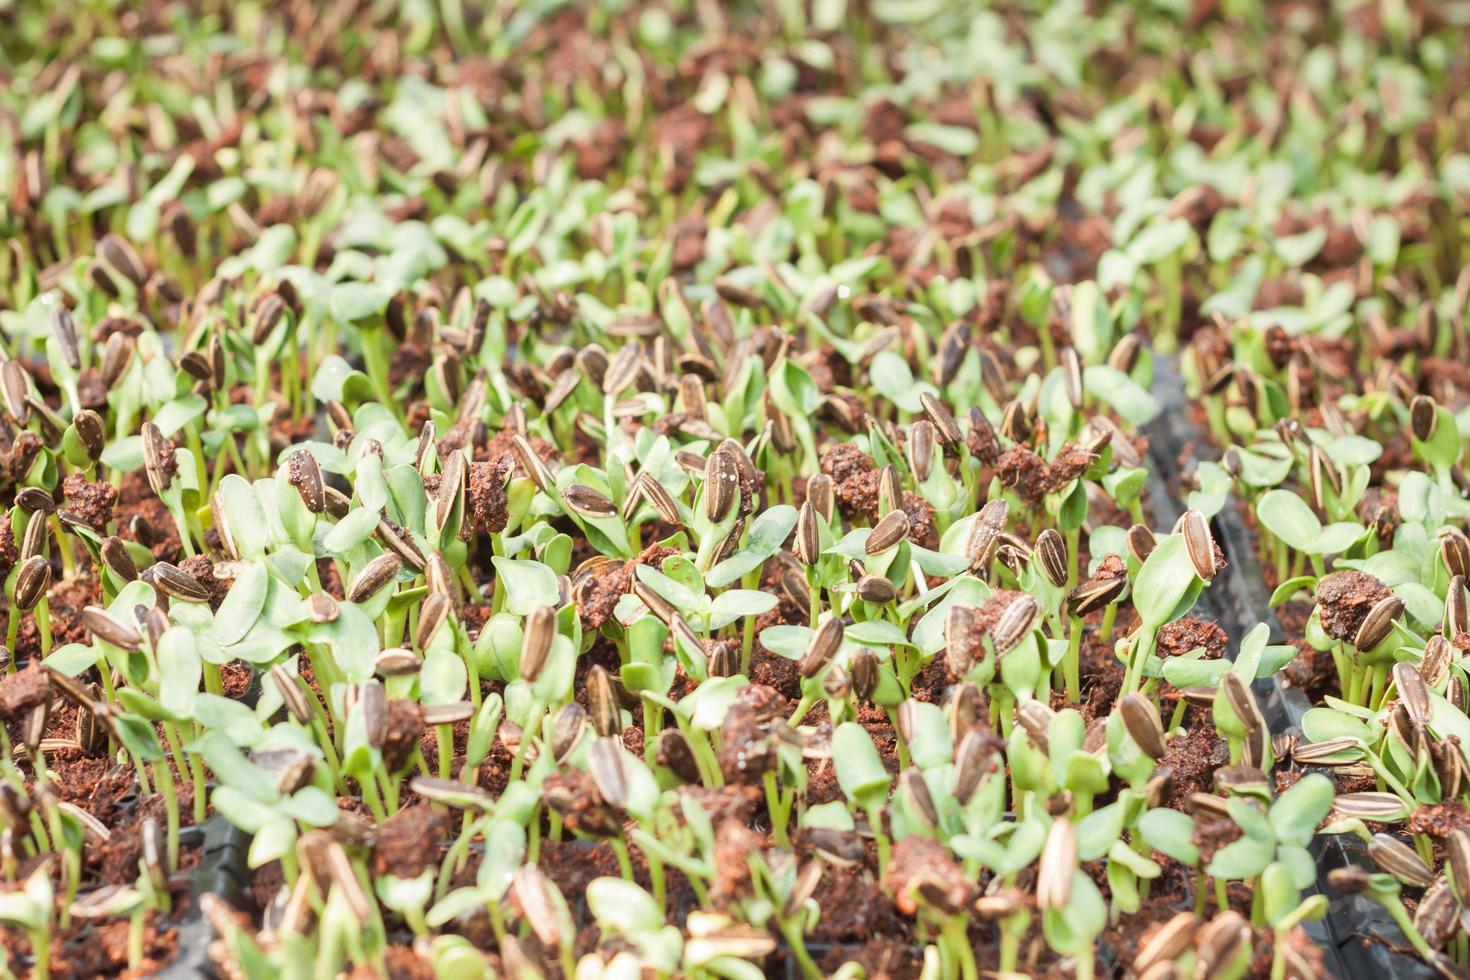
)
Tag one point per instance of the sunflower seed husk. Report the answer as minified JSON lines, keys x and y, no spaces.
{"x":1456,"y":609}
{"x":807,"y":545}
{"x":587,"y":502}
{"x":453,"y":793}
{"x":663,"y":502}
{"x":175,"y":583}
{"x":117,"y":354}
{"x":156,"y":449}
{"x":1199,"y":542}
{"x":1141,"y":543}
{"x":876,"y":589}
{"x":916,"y":792}
{"x":973,"y":761}
{"x":539,"y":909}
{"x":33,"y":541}
{"x":1327,"y":752}
{"x":452,"y":482}
{"x":890,"y":490}
{"x":939,"y":416}
{"x":31,"y":582}
{"x":862,"y":667}
{"x":1057,"y":866}
{"x":1220,"y":942}
{"x":675,"y":752}
{"x":1015,"y":624}
{"x":888,"y":533}
{"x":1438,"y":654}
{"x":1438,"y":916}
{"x":109,"y":629}
{"x":397,"y":662}
{"x":306,"y":476}
{"x":448,"y":713}
{"x":1423,"y":416}
{"x":820,"y":495}
{"x":656,"y":603}
{"x":1141,"y":719}
{"x":34,"y":500}
{"x":1457,"y":862}
{"x":1036,"y":718}
{"x":921,"y":449}
{"x":823,"y":647}
{"x":1051,"y":550}
{"x":721,"y":485}
{"x":1379,"y":807}
{"x":602,"y":702}
{"x":1400,"y":860}
{"x":567,"y":728}
{"x":540,"y":630}
{"x":540,"y":475}
{"x":1454,"y":550}
{"x":605,"y":765}
{"x":1168,"y":943}
{"x":433,"y":613}
{"x":375,"y":575}
{"x":1413,"y":692}
{"x":1378,"y":624}
{"x":295,"y":699}
{"x":122,"y":259}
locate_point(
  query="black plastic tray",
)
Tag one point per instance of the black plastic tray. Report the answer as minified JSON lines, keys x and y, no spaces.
{"x":222,"y":871}
{"x":1238,"y":600}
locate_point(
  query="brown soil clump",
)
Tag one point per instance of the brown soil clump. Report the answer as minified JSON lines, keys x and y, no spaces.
{"x":920,"y":861}
{"x":407,"y":844}
{"x":1186,"y":634}
{"x":91,"y":503}
{"x":1345,"y":599}
{"x":1193,"y":756}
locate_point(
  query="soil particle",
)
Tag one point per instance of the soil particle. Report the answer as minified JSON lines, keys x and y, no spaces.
{"x":879,"y":959}
{"x":1025,"y":473}
{"x":747,"y":751}
{"x":92,"y":503}
{"x":142,"y":517}
{"x":853,"y":907}
{"x":404,"y":728}
{"x":407,"y":842}
{"x":922,"y":529}
{"x":9,"y":553}
{"x":1186,"y":634}
{"x":485,"y":494}
{"x":983,"y":444}
{"x":854,"y":479}
{"x":734,"y":843}
{"x":920,"y":861}
{"x":1345,"y":599}
{"x":1070,"y":463}
{"x":1192,"y":757}
{"x":1439,"y":819}
{"x":23,"y":691}
{"x":736,"y":803}
{"x":1211,"y":834}
{"x":401,"y":962}
{"x":575,"y":796}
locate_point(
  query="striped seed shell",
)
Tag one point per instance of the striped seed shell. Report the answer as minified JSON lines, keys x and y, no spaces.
{"x":1378,"y":624}
{"x":374,"y":576}
{"x":721,"y":485}
{"x":822,"y":648}
{"x":1454,"y":550}
{"x":31,"y":582}
{"x":887,"y":533}
{"x":1379,"y":807}
{"x":587,"y":502}
{"x":1456,"y":609}
{"x":291,"y":694}
{"x":1057,"y":865}
{"x":1438,"y":916}
{"x":539,"y":631}
{"x":1015,"y":624}
{"x":1413,"y":692}
{"x":943,"y":421}
{"x":890,"y":490}
{"x":1395,"y":857}
{"x":1221,"y":942}
{"x":1168,"y":943}
{"x":876,"y":589}
{"x":1423,"y":415}
{"x":1141,"y":719}
{"x":1457,"y":862}
{"x":156,"y":451}
{"x":921,"y":449}
{"x":1051,"y":552}
{"x":109,"y":629}
{"x":1199,"y":542}
{"x":602,"y":702}
{"x":605,"y":765}
{"x":1141,"y":543}
{"x":808,"y":540}
{"x":662,"y":501}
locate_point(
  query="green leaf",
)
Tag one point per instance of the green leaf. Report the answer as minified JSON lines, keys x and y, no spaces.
{"x":242,"y":605}
{"x":1163,"y":581}
{"x":528,"y":584}
{"x":1241,"y":859}
{"x":1171,"y":832}
{"x":1297,"y":812}
{"x":1288,"y":517}
{"x":860,"y":770}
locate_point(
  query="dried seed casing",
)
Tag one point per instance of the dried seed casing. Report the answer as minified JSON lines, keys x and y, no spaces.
{"x":808,"y":540}
{"x":822,"y":648}
{"x":540,"y":631}
{"x":1400,"y":860}
{"x":158,"y":458}
{"x":109,"y":629}
{"x":888,"y":533}
{"x":1378,"y":624}
{"x":374,"y":576}
{"x":1141,"y":720}
{"x":721,"y":485}
{"x":587,"y":502}
{"x":305,"y":474}
{"x":1015,"y":624}
{"x":32,"y":582}
{"x":1051,"y":553}
{"x":602,"y":702}
{"x":1199,"y":542}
